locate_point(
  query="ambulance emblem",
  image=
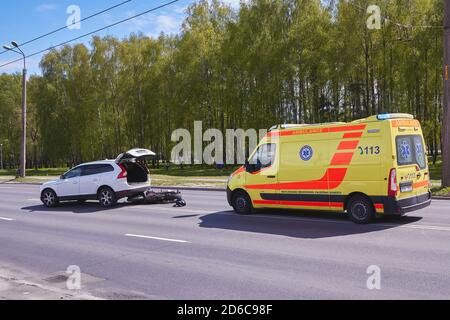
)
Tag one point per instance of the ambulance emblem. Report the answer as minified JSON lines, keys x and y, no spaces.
{"x":405,"y":151}
{"x":306,"y":153}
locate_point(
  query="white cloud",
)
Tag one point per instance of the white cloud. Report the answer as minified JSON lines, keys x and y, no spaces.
{"x":179,"y":9}
{"x":167,"y":23}
{"x":233,"y":3}
{"x":138,"y":23}
{"x":46,"y":7}
{"x":153,"y":24}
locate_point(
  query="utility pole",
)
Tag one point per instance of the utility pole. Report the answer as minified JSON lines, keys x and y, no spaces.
{"x":23,"y":143}
{"x":1,"y":156}
{"x":446,"y":119}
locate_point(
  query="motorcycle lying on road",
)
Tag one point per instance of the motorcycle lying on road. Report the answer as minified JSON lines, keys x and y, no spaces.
{"x":151,"y":196}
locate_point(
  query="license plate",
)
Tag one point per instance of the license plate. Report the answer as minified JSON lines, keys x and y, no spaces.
{"x":406,"y":188}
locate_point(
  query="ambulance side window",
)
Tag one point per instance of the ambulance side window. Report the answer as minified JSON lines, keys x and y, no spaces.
{"x":419,"y":151}
{"x":264,"y":156}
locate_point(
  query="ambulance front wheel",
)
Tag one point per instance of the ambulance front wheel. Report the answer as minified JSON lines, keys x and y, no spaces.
{"x":360,"y":210}
{"x":241,"y":203}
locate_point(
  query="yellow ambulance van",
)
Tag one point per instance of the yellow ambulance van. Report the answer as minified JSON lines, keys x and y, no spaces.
{"x":365,"y":168}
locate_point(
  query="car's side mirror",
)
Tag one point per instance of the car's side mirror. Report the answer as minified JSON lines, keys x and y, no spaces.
{"x":62,"y":177}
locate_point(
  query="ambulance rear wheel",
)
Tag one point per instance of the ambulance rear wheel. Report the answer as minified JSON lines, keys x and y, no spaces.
{"x":360,"y":210}
{"x":241,"y":203}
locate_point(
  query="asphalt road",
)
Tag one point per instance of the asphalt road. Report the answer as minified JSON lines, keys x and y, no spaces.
{"x":204,"y":251}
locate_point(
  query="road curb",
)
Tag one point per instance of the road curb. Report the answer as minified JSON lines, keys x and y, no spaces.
{"x":19,"y":183}
{"x":440,"y":198}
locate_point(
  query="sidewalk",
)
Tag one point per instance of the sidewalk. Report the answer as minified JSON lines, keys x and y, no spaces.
{"x":16,"y":286}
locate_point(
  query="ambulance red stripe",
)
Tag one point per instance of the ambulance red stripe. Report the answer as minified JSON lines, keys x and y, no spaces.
{"x":351,"y":135}
{"x":342,"y":159}
{"x":316,"y":130}
{"x":331,"y":180}
{"x":348,"y":145}
{"x":300,"y":203}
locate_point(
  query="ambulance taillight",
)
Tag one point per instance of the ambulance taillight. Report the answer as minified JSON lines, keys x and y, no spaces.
{"x":392,"y":185}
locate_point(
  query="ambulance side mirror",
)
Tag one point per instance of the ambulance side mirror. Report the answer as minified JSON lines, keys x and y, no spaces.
{"x":251,"y":167}
{"x":248,"y":167}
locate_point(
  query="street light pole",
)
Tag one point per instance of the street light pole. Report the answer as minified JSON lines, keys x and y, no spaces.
{"x":23,"y":144}
{"x":446,"y":120}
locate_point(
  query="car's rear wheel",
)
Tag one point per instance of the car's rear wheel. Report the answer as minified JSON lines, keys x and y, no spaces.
{"x":107,"y":197}
{"x":360,"y":210}
{"x":241,"y":203}
{"x":49,"y":198}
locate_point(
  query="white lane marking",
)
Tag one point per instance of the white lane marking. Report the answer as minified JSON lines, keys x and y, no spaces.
{"x":34,"y":200}
{"x":6,"y":219}
{"x":155,"y":238}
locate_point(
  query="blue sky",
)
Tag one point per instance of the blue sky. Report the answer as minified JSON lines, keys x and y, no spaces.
{"x":27,"y":19}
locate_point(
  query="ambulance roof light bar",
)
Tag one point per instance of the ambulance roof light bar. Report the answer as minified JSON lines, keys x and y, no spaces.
{"x":287,"y":126}
{"x":388,"y":116}
{"x":273,"y":128}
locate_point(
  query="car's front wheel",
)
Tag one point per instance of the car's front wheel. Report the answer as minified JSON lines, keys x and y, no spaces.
{"x":241,"y":203}
{"x":107,"y":197}
{"x":49,"y":198}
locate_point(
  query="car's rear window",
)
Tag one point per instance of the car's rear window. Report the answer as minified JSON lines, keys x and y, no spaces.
{"x":411,"y":150}
{"x":96,"y":169}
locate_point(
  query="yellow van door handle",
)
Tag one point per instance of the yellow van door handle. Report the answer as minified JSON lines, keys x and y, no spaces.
{"x":271,"y":177}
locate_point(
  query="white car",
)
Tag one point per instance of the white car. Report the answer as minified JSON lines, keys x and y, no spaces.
{"x":106,"y":181}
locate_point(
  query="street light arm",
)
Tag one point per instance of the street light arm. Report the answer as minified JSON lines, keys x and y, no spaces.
{"x":18,"y":52}
{"x":15,"y":45}
{"x":21,"y":52}
{"x":8,"y":48}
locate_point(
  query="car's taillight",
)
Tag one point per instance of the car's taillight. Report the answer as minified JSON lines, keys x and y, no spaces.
{"x":392,"y":184}
{"x":123,"y":173}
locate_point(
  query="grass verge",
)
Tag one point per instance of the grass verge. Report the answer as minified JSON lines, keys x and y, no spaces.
{"x":441,"y":192}
{"x":158,"y":180}
{"x":189,"y":176}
